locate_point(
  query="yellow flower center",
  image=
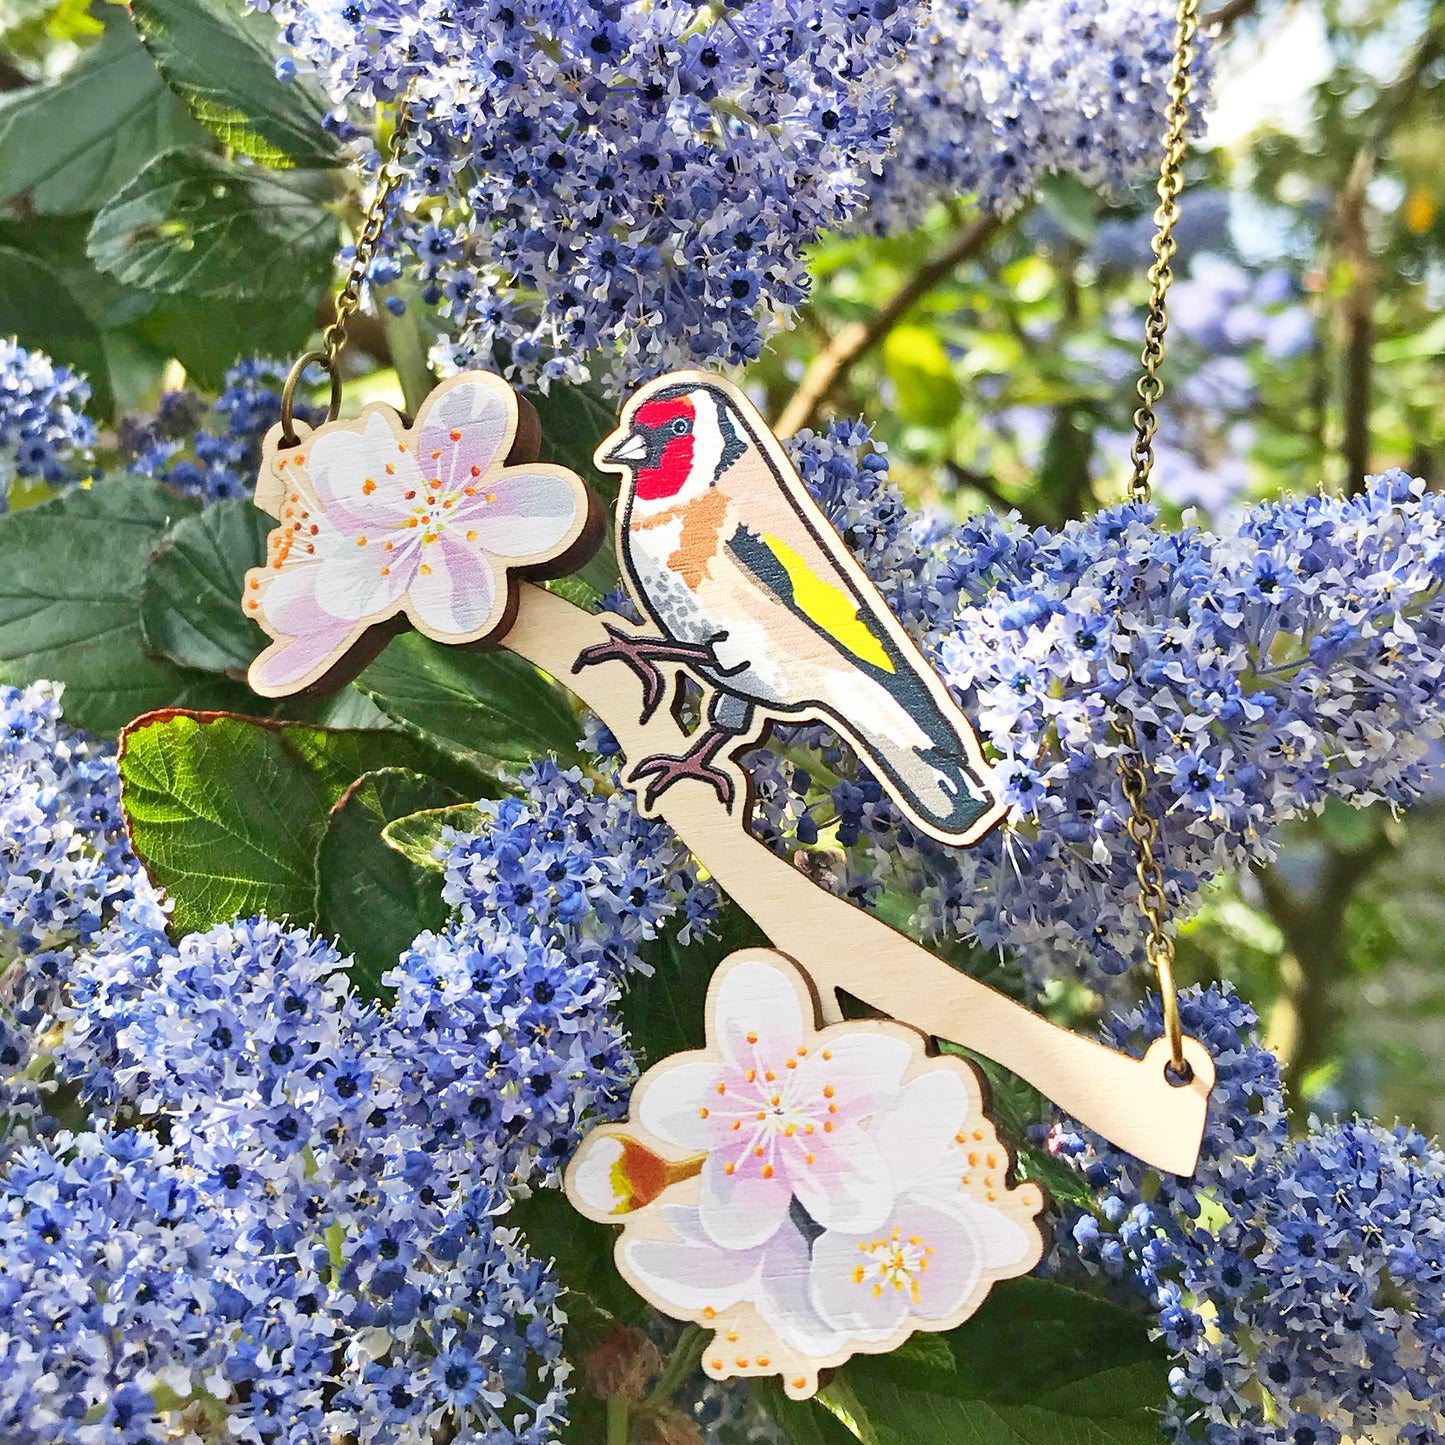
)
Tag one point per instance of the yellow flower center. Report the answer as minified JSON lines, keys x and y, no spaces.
{"x":893,"y":1261}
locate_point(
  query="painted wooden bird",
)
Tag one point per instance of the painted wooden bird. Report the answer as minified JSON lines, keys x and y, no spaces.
{"x":754,"y":592}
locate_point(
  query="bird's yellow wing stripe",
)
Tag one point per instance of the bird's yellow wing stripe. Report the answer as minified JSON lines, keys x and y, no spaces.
{"x":829,"y":607}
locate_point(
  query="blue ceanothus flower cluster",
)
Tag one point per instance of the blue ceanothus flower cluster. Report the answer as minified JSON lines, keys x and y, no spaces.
{"x":1300,"y":1284}
{"x":999,"y":96}
{"x":219,"y":460}
{"x":1293,"y":656}
{"x":641,"y":181}
{"x":287,"y":1220}
{"x":44,"y":433}
{"x":65,"y":868}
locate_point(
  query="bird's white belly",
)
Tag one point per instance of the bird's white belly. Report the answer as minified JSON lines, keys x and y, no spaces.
{"x":675,"y":606}
{"x":746,"y":655}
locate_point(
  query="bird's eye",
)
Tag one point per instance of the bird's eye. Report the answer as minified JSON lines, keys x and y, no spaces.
{"x":679,"y":427}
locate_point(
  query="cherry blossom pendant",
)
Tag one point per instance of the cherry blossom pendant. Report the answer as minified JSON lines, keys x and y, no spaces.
{"x":385,"y":525}
{"x":806,"y":1187}
{"x":806,"y":1193}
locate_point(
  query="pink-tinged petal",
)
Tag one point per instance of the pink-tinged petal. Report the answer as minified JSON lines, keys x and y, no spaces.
{"x":848,"y":1186}
{"x":915,"y":1130}
{"x":862,"y":1068}
{"x":955,"y":1261}
{"x":923,"y":1261}
{"x":758,"y":1020}
{"x":293,"y":660}
{"x":531,"y":515}
{"x":744,"y":1208}
{"x":680,"y":1102}
{"x":861,"y":1308}
{"x":693,"y":1276}
{"x":348,"y":470}
{"x":454,"y":590}
{"x":464,"y":430}
{"x":316,"y":594}
{"x":783,"y":1297}
{"x":289,"y":602}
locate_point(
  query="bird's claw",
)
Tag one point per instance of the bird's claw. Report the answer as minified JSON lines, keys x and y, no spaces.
{"x":624,"y":647}
{"x":641,"y":655}
{"x":664,"y":770}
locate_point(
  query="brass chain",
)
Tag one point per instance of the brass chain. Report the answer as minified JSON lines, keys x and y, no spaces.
{"x":1142,"y":825}
{"x":1166,"y":217}
{"x":348,"y":297}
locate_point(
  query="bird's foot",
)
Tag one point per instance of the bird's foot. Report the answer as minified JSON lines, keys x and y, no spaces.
{"x":663,"y":770}
{"x":642,"y":654}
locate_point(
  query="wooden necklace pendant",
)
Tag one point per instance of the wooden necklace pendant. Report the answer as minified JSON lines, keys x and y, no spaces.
{"x":752,"y":591}
{"x":807,"y":1188}
{"x":806,"y":1193}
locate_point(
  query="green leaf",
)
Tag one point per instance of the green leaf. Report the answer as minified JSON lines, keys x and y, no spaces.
{"x":1348,"y":829}
{"x":209,"y":337}
{"x":372,"y":899}
{"x":1064,"y":473}
{"x":345,"y":709}
{"x":492,"y":707}
{"x":1071,"y":205}
{"x":663,"y":1013}
{"x":191,"y":597}
{"x":227,"y":812}
{"x":805,"y":1422}
{"x":574,"y":420}
{"x":418,"y":835}
{"x":1039,"y":1364}
{"x":70,"y":604}
{"x":192,"y":224}
{"x":928,"y":392}
{"x":39,"y":310}
{"x":68,"y":147}
{"x":225,"y":72}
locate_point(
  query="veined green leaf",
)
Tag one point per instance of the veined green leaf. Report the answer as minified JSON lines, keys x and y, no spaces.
{"x":370,"y":897}
{"x":227,"y":813}
{"x":418,"y":836}
{"x":492,"y":707}
{"x":70,"y":604}
{"x":192,"y":592}
{"x":194,"y":225}
{"x":225,"y":72}
{"x":69,"y":146}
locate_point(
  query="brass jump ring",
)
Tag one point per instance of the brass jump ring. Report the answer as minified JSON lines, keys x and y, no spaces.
{"x":288,"y":392}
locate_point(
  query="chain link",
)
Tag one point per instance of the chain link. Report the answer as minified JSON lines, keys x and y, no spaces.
{"x":348,"y":297}
{"x":1142,"y":825}
{"x":1161,"y":273}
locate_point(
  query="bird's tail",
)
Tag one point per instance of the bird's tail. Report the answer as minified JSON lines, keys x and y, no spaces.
{"x":928,"y":755}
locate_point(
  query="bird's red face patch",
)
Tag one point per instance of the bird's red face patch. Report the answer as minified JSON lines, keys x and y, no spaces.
{"x":666,"y":423}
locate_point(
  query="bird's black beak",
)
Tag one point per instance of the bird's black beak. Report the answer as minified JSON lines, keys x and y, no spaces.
{"x":632,"y":448}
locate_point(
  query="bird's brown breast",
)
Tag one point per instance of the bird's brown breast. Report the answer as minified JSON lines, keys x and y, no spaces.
{"x":702,"y":523}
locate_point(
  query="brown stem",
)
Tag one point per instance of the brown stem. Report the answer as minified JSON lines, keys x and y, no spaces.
{"x":1229,"y":15}
{"x":1307,"y":1011}
{"x":1357,"y":313}
{"x":833,"y":363}
{"x":961,"y":476}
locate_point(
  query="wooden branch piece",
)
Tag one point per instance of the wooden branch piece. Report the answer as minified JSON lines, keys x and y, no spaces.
{"x":1128,"y":1101}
